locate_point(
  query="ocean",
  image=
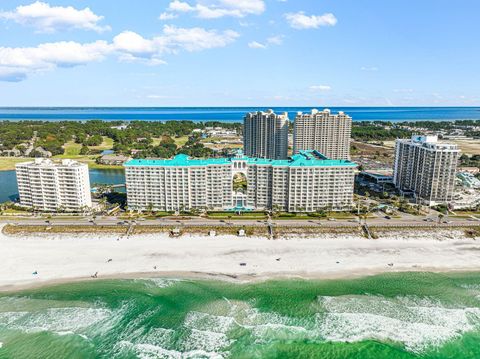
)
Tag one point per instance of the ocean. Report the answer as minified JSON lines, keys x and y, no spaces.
{"x":404,"y":315}
{"x":230,"y":114}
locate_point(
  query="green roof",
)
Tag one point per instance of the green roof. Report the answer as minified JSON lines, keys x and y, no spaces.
{"x":302,"y":159}
{"x":178,"y":161}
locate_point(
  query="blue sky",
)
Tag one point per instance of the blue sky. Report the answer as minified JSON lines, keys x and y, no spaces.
{"x":239,"y":53}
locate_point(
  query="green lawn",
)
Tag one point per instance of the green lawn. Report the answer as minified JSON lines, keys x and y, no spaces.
{"x":72,"y":148}
{"x":8,"y":163}
{"x":312,"y":216}
{"x":107,"y":144}
{"x":232,"y":215}
{"x":181,"y":141}
{"x":15,"y":211}
{"x":155,"y":141}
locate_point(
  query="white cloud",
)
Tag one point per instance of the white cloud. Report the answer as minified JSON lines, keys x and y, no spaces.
{"x":62,"y":53}
{"x":46,"y":18}
{"x":180,"y":6}
{"x":246,"y":6}
{"x":17,"y":63}
{"x":167,"y":16}
{"x":369,"y":68}
{"x":276,"y":40}
{"x":219,"y":8}
{"x":245,"y":24}
{"x":256,"y":45}
{"x":320,"y":88}
{"x":195,"y":39}
{"x":273,"y":40}
{"x":131,"y":42}
{"x":301,"y":21}
{"x":134,"y":47}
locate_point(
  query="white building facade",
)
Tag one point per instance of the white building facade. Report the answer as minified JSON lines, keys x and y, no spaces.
{"x":51,"y":186}
{"x":324,"y":132}
{"x":265,"y":135}
{"x":427,"y":168}
{"x":306,"y":182}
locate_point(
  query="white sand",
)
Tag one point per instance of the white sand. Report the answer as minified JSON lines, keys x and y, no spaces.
{"x":69,"y":257}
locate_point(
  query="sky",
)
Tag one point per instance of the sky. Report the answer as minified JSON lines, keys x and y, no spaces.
{"x":239,"y":53}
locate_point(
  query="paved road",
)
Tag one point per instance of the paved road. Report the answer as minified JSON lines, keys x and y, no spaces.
{"x":408,"y":221}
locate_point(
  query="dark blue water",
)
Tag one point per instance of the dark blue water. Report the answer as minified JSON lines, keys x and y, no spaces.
{"x":230,"y":114}
{"x":9,"y":190}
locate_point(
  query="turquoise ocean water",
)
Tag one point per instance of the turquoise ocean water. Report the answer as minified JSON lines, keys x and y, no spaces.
{"x":231,"y":114}
{"x":409,"y":315}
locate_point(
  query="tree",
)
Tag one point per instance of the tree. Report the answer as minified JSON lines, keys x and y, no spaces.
{"x":95,"y":140}
{"x":440,"y":217}
{"x":84,"y":150}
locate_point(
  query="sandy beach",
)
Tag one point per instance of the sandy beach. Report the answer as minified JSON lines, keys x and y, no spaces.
{"x":38,"y":259}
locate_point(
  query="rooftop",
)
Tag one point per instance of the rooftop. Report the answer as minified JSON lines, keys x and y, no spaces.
{"x":302,"y":159}
{"x":45,"y":162}
{"x":430,"y":142}
{"x":326,"y":112}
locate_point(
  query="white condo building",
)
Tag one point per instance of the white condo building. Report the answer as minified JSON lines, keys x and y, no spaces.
{"x":427,"y":168}
{"x":51,"y":186}
{"x":324,"y":132}
{"x":265,"y":135}
{"x":306,"y":182}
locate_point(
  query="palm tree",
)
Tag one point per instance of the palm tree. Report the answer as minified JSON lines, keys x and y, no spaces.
{"x":440,"y":217}
{"x":150,"y":208}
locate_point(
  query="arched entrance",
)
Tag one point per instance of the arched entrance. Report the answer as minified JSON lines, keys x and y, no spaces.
{"x":240,"y":182}
{"x":239,"y":186}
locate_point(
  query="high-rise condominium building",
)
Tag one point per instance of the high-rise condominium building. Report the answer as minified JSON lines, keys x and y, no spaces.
{"x":321,"y":131}
{"x":265,"y":135}
{"x":306,"y":182}
{"x":427,"y":168}
{"x":50,"y":186}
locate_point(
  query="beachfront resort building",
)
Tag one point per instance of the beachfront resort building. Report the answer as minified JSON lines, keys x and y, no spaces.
{"x":308,"y":182}
{"x":427,"y":168}
{"x":265,"y":135}
{"x":324,"y":132}
{"x":45,"y":185}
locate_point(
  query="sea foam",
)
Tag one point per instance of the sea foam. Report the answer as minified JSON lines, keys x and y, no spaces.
{"x":417,"y":323}
{"x":59,"y":320}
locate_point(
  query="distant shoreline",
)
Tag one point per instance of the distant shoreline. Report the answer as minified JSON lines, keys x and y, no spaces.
{"x":231,"y":114}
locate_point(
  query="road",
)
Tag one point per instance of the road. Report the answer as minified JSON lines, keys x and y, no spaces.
{"x":406,"y":221}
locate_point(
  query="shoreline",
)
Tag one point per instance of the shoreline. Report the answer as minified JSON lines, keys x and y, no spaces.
{"x":45,"y":259}
{"x":223,"y":277}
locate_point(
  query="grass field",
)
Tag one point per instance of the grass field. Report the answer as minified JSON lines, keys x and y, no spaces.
{"x":232,"y":215}
{"x":367,"y":149}
{"x":180,"y":141}
{"x":8,"y":163}
{"x":71,"y":149}
{"x":470,"y":147}
{"x":107,"y":144}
